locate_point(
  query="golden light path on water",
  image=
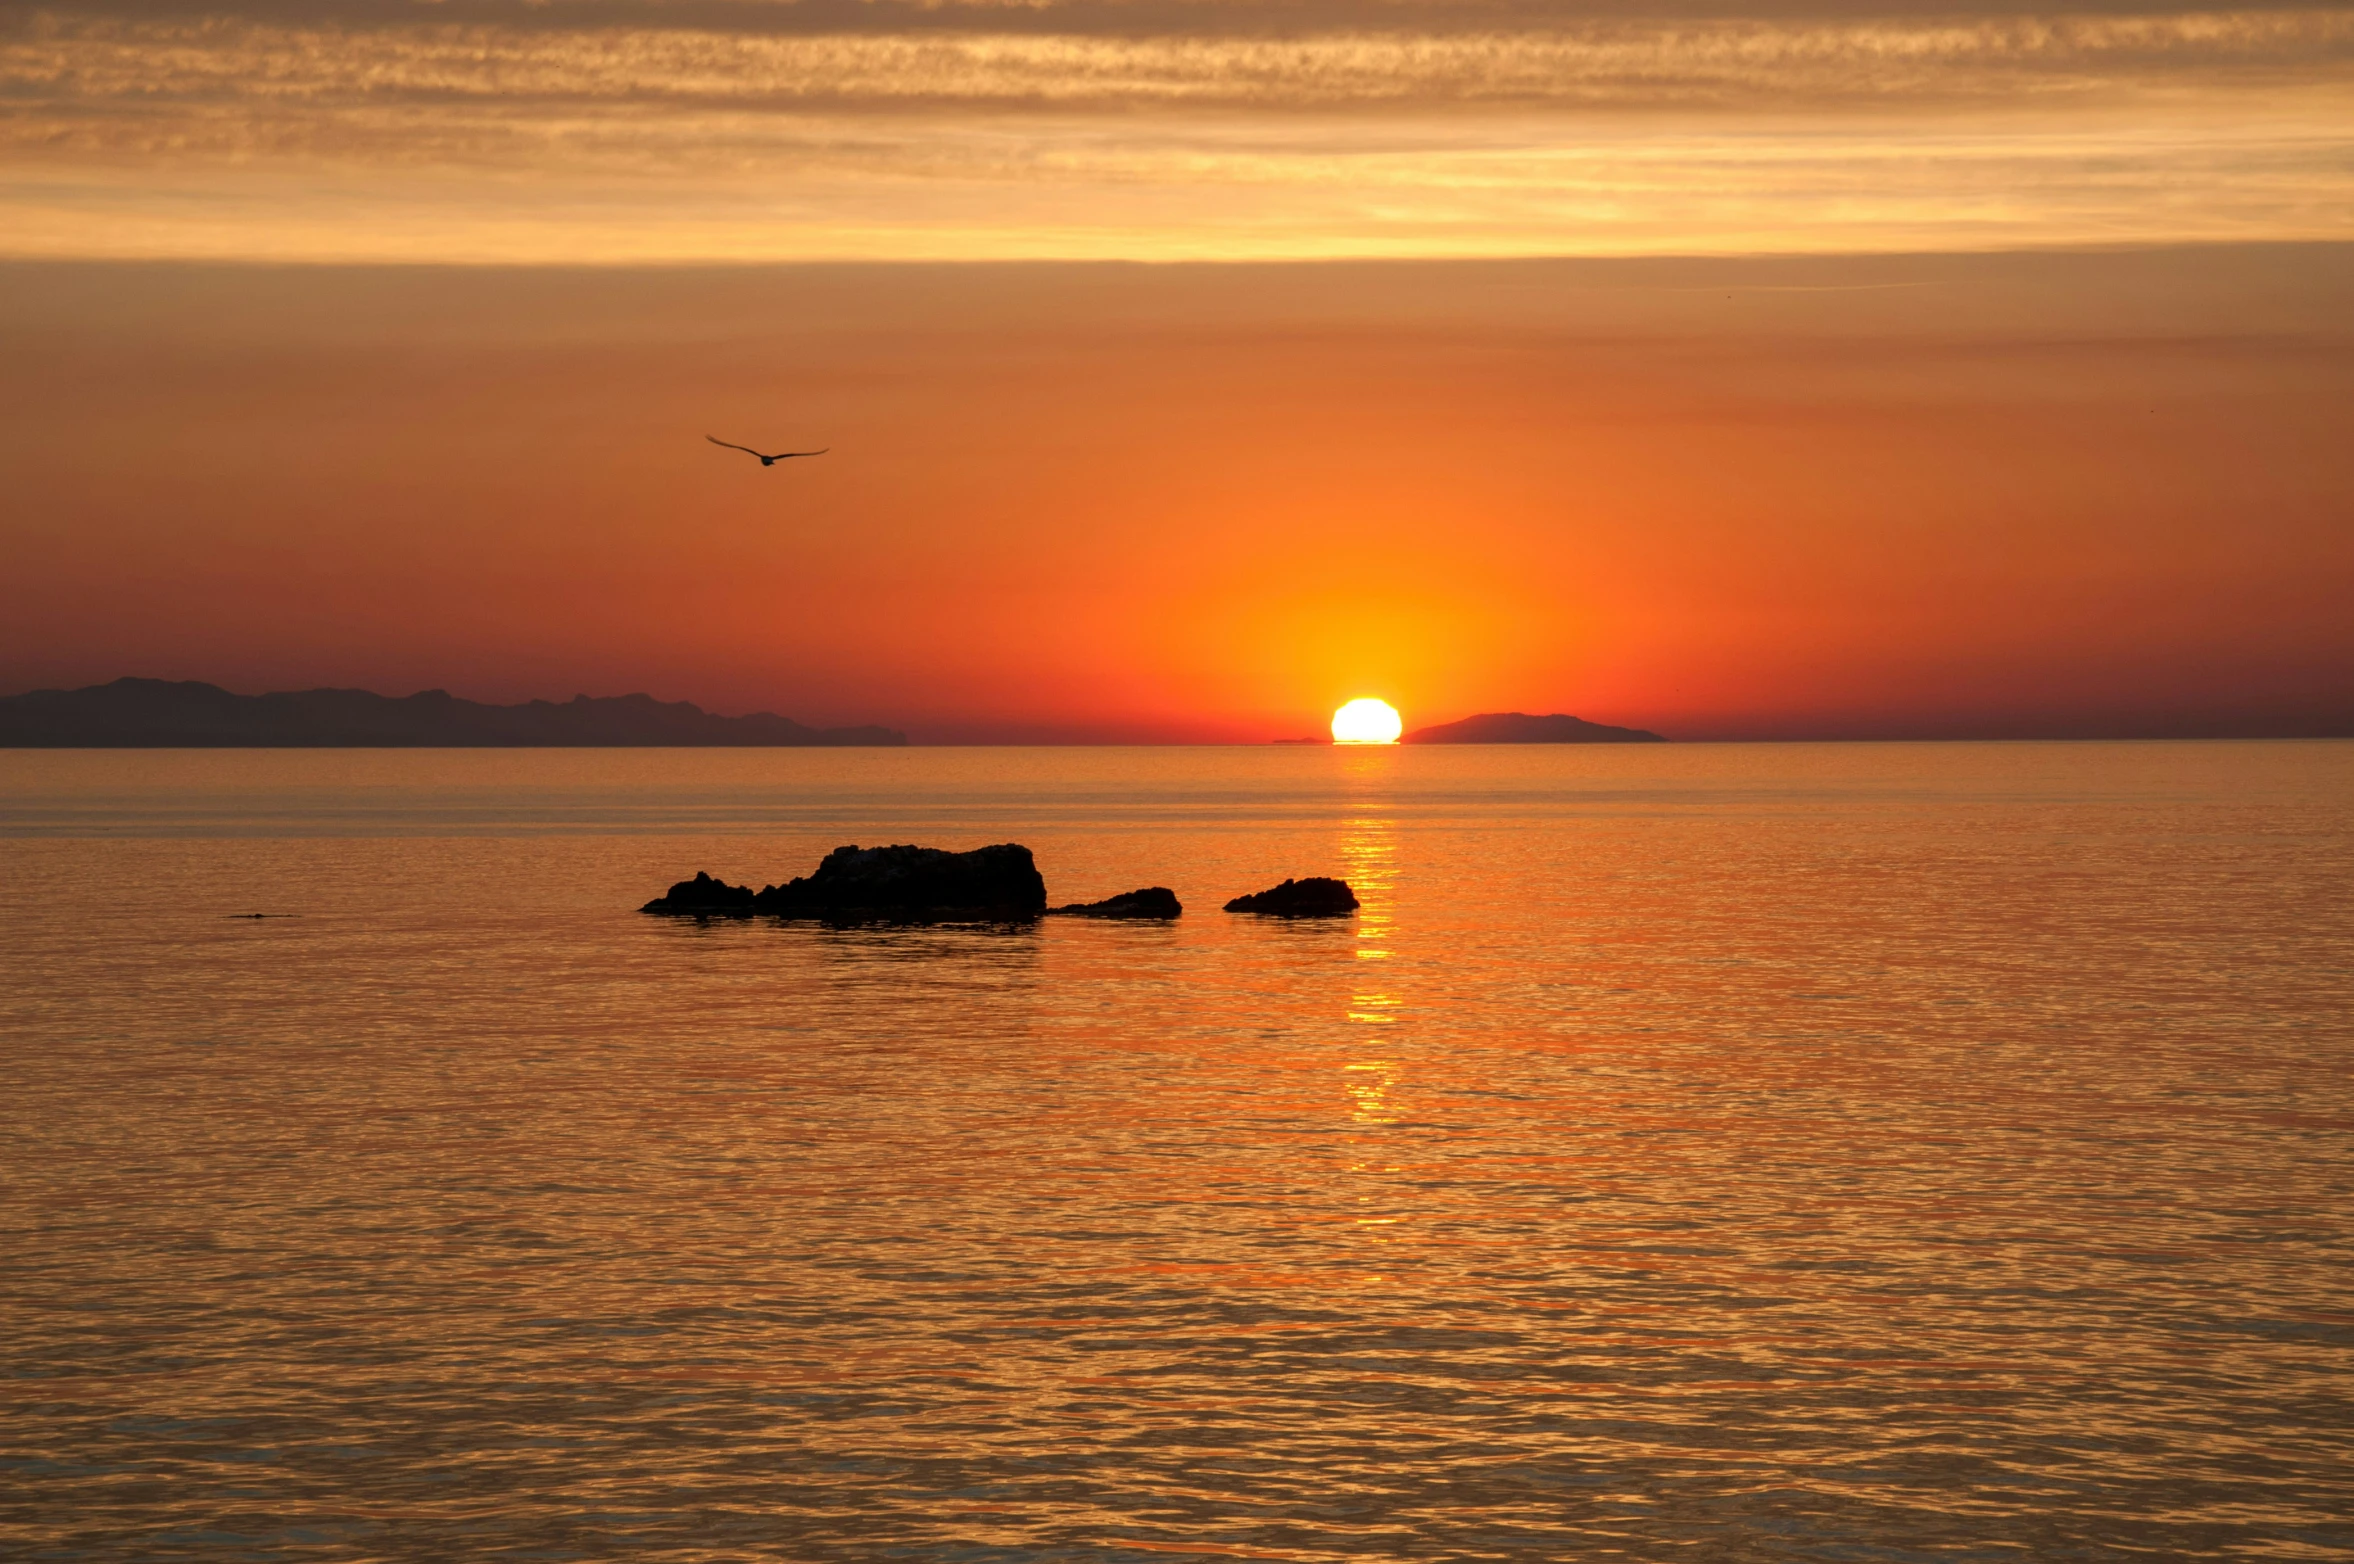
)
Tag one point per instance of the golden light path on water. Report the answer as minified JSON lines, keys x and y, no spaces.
{"x":1761,"y":1152}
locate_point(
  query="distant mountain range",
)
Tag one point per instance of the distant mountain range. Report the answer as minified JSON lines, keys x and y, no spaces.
{"x":157,"y":714}
{"x":1518,"y":727}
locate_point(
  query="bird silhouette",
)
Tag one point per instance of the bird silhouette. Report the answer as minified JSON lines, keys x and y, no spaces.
{"x":765,"y":460}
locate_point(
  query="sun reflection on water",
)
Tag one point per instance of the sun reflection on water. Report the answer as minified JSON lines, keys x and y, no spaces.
{"x":1369,"y":859}
{"x":1369,"y":1091}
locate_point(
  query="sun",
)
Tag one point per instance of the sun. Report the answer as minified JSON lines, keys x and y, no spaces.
{"x":1366,"y":721}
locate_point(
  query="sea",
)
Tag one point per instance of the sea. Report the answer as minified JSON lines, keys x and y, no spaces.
{"x":1689,"y":1152}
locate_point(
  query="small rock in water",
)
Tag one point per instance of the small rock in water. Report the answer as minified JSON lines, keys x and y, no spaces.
{"x":1154,"y":901}
{"x":704,"y":897}
{"x":1315,"y":897}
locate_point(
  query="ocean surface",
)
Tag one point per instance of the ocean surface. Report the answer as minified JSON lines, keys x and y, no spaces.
{"x":1745,"y":1152}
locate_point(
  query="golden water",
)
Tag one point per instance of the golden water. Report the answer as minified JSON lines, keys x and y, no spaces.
{"x":1741,"y":1152}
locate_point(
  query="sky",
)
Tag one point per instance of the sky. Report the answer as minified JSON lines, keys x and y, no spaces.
{"x":1735,"y":369}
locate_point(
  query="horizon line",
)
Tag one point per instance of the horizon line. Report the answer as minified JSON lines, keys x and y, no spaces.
{"x":1016,"y":733}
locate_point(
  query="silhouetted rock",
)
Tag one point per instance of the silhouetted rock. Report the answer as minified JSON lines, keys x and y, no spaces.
{"x":136,"y":713}
{"x":1316,"y":897}
{"x":1518,"y":727}
{"x":1325,"y":740}
{"x":704,"y":897}
{"x":914,"y":885}
{"x":1154,"y":901}
{"x":881,"y":885}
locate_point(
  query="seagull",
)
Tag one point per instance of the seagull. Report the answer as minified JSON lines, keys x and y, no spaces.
{"x":765,"y":461}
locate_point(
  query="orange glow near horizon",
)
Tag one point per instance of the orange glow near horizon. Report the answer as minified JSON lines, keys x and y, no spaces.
{"x":1941,"y":494}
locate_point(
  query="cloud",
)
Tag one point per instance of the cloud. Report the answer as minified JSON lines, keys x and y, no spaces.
{"x":473,"y":141}
{"x":97,"y":71}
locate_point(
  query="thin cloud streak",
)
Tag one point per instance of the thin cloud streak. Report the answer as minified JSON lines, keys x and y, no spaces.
{"x":1038,"y":195}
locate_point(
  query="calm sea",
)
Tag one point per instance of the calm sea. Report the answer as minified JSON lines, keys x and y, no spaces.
{"x":1698,"y":1153}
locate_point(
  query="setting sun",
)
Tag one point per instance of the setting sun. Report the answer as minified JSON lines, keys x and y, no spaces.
{"x":1366,"y":721}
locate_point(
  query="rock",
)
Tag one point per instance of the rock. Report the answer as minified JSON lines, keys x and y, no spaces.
{"x":914,"y":885}
{"x":1154,"y":901}
{"x":704,"y":897}
{"x":1317,"y":897}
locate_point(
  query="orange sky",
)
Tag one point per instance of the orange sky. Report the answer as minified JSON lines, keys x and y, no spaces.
{"x":2020,"y":493}
{"x":1756,"y":367}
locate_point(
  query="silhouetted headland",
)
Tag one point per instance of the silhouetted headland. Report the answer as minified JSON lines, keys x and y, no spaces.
{"x":1518,"y":727}
{"x":159,"y":713}
{"x":1315,"y":897}
{"x":997,"y":884}
{"x":1154,"y":901}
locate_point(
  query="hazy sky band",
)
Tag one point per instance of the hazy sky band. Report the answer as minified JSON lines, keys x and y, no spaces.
{"x":486,"y":141}
{"x":1106,"y":18}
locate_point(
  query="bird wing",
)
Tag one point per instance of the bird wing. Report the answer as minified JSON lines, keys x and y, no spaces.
{"x":781,"y":455}
{"x":731,"y":445}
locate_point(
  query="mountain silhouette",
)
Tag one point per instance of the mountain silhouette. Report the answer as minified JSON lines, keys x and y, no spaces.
{"x":1518,"y":727}
{"x":160,"y":713}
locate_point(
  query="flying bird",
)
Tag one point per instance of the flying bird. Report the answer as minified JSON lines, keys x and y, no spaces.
{"x":765,"y":461}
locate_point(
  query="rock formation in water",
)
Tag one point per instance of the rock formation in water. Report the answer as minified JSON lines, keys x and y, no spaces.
{"x":1518,"y":727}
{"x":704,"y":897}
{"x":915,"y":884}
{"x":1316,"y":897}
{"x":155,"y":713}
{"x":1154,"y":901}
{"x":881,"y":885}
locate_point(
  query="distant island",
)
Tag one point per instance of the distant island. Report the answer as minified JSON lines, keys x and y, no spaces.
{"x":1518,"y":727}
{"x":162,"y":714}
